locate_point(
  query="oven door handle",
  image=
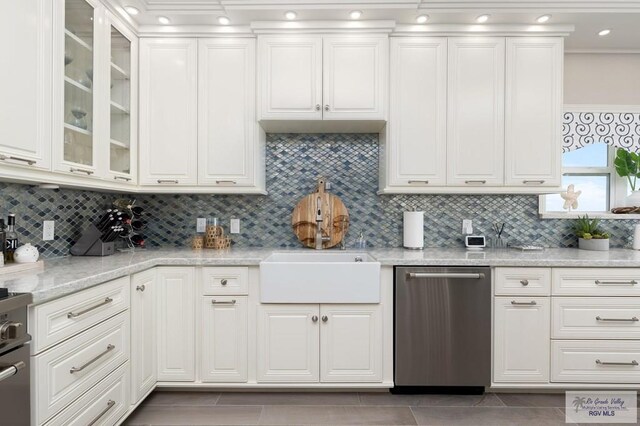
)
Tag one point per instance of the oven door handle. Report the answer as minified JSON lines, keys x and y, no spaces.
{"x":11,"y":370}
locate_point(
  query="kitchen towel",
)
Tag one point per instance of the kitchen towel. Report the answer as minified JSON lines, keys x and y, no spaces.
{"x":414,"y":230}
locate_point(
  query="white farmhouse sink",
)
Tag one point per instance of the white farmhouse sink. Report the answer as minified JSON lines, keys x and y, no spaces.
{"x":320,"y":277}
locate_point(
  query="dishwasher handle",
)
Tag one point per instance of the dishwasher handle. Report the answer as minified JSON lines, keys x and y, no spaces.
{"x":457,"y":275}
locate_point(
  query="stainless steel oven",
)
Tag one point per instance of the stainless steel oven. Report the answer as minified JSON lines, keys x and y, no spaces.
{"x":14,"y":360}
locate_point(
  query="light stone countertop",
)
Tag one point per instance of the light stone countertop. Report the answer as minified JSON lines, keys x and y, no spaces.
{"x":67,"y":275}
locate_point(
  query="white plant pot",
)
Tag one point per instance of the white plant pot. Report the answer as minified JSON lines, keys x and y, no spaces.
{"x":593,"y":244}
{"x":633,"y":200}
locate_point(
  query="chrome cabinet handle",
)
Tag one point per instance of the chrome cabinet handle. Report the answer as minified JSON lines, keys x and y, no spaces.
{"x":632,"y":282}
{"x":481,"y":182}
{"x":318,"y":107}
{"x":633,"y":363}
{"x":223,"y":302}
{"x":532,"y":303}
{"x":325,"y":318}
{"x":11,"y":157}
{"x":77,"y":314}
{"x":141,"y":287}
{"x":232,"y":182}
{"x":326,"y":107}
{"x":126,"y":179}
{"x":463,"y":276}
{"x":110,"y":405}
{"x":11,"y":370}
{"x":524,"y":282}
{"x":411,"y":182}
{"x":533,"y":182}
{"x":77,"y":170}
{"x":223,"y":282}
{"x":91,"y":361}
{"x":314,"y":318}
{"x":167,"y":181}
{"x":633,"y":319}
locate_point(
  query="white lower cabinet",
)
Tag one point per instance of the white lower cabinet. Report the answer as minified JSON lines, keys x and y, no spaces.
{"x":351,"y":343}
{"x":288,"y":343}
{"x":143,"y":335}
{"x":176,"y":324}
{"x":521,"y":339}
{"x":224,"y":332}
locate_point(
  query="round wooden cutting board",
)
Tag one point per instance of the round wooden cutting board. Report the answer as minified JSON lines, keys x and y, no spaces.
{"x":335,"y":218}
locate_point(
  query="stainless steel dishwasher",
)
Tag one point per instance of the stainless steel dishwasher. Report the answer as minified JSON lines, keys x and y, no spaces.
{"x":442,"y":329}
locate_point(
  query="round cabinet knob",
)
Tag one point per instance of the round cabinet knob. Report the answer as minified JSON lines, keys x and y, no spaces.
{"x":524,"y":282}
{"x":223,"y":282}
{"x":326,"y":107}
{"x":314,"y":318}
{"x":9,"y":330}
{"x":140,"y":287}
{"x":318,"y":107}
{"x":325,"y":318}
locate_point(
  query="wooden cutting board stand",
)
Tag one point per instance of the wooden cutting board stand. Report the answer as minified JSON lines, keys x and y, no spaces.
{"x":335,"y":217}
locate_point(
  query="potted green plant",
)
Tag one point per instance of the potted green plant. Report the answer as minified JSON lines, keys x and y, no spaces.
{"x":590,"y":236}
{"x":628,"y":165}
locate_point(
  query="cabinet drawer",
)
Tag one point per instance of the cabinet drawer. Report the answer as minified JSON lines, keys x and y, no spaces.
{"x":596,"y":281}
{"x":72,"y":368}
{"x":596,"y":318}
{"x":523,"y":281}
{"x":103,"y":404}
{"x":225,"y":280}
{"x":56,"y":321}
{"x":578,"y":361}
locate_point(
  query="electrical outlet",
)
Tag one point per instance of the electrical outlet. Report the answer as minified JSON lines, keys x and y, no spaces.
{"x":48,"y":230}
{"x":201,"y":224}
{"x":467,"y":226}
{"x":235,"y":226}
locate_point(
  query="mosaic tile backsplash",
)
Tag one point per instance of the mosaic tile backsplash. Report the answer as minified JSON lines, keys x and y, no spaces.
{"x":294,"y":161}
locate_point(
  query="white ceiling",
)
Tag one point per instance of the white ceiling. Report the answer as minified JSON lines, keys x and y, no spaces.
{"x":588,"y":17}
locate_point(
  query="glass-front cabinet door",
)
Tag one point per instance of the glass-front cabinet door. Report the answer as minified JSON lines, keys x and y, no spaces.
{"x":121,"y":132}
{"x":78,"y":150}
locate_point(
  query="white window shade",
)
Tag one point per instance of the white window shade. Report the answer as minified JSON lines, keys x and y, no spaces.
{"x":618,"y":129}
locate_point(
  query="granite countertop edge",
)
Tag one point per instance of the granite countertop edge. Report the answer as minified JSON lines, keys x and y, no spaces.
{"x":68,"y":275}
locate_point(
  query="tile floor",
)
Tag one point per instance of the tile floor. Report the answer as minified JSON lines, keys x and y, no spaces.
{"x":204,"y":408}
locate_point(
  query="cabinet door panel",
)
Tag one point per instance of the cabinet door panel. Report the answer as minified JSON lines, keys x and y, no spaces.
{"x":224,"y":339}
{"x":168,"y":115}
{"x":288,"y":343}
{"x":290,"y":73}
{"x":227,"y":130}
{"x":418,"y":124}
{"x":355,"y":77}
{"x":25,"y":84}
{"x":533,"y":113}
{"x":475,"y":151}
{"x":351,"y":343}
{"x":176,"y":324}
{"x":143,"y":334}
{"x":521,"y":339}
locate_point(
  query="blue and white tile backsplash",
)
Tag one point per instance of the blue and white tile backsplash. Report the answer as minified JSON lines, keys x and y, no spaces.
{"x":294,"y":161}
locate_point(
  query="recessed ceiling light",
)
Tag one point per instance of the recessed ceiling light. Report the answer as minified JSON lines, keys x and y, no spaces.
{"x":355,"y":14}
{"x":164,"y":20}
{"x":604,"y":32}
{"x":542,"y":19}
{"x":290,"y":15}
{"x":482,"y":19}
{"x":223,"y":20}
{"x":422,"y":19}
{"x":131,"y":10}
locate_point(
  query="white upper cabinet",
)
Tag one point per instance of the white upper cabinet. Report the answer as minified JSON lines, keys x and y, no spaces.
{"x":533,"y":112}
{"x":168,"y":112}
{"x":290,"y":73}
{"x":228,"y":149}
{"x":475,"y":151}
{"x":417,"y":129}
{"x":26,"y":83}
{"x":340,"y":77}
{"x":355,"y":77}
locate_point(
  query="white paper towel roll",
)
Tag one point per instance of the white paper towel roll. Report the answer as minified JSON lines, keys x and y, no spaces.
{"x":636,"y":237}
{"x":413,"y":230}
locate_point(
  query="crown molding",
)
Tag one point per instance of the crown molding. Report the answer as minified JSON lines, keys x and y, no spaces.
{"x":519,"y":6}
{"x":149,"y":31}
{"x":493,"y":30}
{"x":285,"y":27}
